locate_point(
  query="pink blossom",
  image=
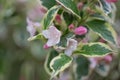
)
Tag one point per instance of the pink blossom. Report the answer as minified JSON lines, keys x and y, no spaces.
{"x":71,"y":46}
{"x":32,"y":26}
{"x":109,"y":1}
{"x":53,"y":35}
{"x":81,"y":30}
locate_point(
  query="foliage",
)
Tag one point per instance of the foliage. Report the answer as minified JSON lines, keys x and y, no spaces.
{"x":86,"y":15}
{"x":77,"y":36}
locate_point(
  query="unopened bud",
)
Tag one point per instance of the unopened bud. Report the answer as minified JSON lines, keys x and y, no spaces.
{"x":90,"y":11}
{"x":80,"y":5}
{"x":71,"y":26}
{"x":81,"y":30}
{"x":46,"y":46}
{"x":58,"y":18}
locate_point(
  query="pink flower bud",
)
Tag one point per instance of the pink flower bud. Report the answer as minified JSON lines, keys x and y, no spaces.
{"x":110,"y":1}
{"x":81,"y":30}
{"x":58,"y":18}
{"x":90,"y":11}
{"x":80,"y":5}
{"x":46,"y":46}
{"x":71,"y":26}
{"x":102,"y":40}
{"x":108,"y":58}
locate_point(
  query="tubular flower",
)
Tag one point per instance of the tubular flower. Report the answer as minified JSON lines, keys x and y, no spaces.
{"x":71,"y":46}
{"x":53,"y":35}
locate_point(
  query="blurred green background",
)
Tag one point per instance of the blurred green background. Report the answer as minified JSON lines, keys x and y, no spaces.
{"x":20,"y":59}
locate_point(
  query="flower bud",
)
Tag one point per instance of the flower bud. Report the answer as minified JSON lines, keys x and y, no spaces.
{"x":90,"y":11}
{"x":102,"y":40}
{"x":108,"y":58}
{"x":46,"y":46}
{"x":58,"y":18}
{"x":81,"y":30}
{"x":71,"y":26}
{"x":80,"y":5}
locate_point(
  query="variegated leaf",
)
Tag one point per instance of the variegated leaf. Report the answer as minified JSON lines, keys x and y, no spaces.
{"x":81,"y":68}
{"x":70,"y":5}
{"x":48,"y":3}
{"x":103,"y":29}
{"x":49,"y":16}
{"x":93,"y":49}
{"x":50,"y":56}
{"x":60,"y":63}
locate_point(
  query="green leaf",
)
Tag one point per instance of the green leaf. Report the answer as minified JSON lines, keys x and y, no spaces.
{"x":68,"y":18}
{"x":106,"y":7}
{"x":97,"y":16}
{"x":39,"y":36}
{"x":60,"y":63}
{"x":103,"y":29}
{"x":48,"y":3}
{"x":50,"y":56}
{"x":81,"y":68}
{"x":69,"y":5}
{"x":93,"y":49}
{"x":49,"y":16}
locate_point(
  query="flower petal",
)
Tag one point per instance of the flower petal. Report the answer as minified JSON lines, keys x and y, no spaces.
{"x":71,"y":46}
{"x":53,"y":35}
{"x":32,"y":26}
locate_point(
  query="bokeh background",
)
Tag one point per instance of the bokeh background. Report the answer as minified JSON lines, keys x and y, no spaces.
{"x":23,"y":60}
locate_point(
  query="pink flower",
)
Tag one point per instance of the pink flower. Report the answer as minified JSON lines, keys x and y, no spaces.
{"x":110,"y":1}
{"x":71,"y":46}
{"x":81,"y":30}
{"x":32,"y":26}
{"x":53,"y":35}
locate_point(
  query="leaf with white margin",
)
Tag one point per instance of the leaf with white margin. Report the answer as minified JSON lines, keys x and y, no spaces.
{"x":106,"y":6}
{"x":93,"y":49}
{"x":50,"y":16}
{"x":60,"y":63}
{"x":48,"y":3}
{"x":70,"y":5}
{"x":50,"y":56}
{"x":103,"y":29}
{"x":38,"y":36}
{"x":81,"y":68}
